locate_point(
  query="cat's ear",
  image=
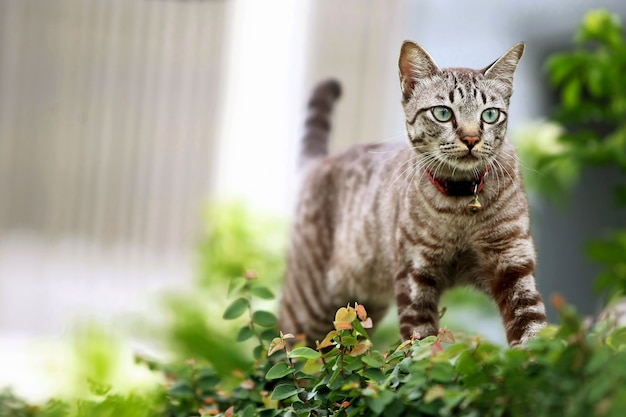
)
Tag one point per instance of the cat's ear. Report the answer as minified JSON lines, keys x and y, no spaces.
{"x":504,"y":67}
{"x":414,"y":63}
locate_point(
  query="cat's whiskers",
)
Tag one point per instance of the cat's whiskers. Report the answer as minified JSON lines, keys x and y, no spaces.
{"x":454,"y":169}
{"x":443,"y":160}
{"x":476,"y":172}
{"x":394,"y":153}
{"x":524,"y":165}
{"x":432,"y":163}
{"x":427,"y":161}
{"x":493,"y":170}
{"x":408,"y":164}
{"x":422,"y":164}
{"x":411,"y":178}
{"x":507,"y":173}
{"x":400,"y":135}
{"x":415,"y":163}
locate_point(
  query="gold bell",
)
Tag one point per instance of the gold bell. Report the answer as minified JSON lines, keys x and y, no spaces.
{"x":474,"y":205}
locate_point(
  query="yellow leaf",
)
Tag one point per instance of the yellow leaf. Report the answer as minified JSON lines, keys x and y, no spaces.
{"x":267,"y":400}
{"x":328,"y":340}
{"x":312,"y":367}
{"x":345,"y":315}
{"x":445,"y":336}
{"x":359,"y":349}
{"x":405,"y":345}
{"x":276,"y":345}
{"x":436,"y":392}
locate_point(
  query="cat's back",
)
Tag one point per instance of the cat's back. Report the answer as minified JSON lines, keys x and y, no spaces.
{"x":357,"y":166}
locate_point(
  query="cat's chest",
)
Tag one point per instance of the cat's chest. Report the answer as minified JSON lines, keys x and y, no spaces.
{"x":425,"y":236}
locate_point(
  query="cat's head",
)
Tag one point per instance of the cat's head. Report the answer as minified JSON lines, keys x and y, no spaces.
{"x":456,"y":117}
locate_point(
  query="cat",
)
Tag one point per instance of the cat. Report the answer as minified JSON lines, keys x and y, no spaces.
{"x":410,"y":220}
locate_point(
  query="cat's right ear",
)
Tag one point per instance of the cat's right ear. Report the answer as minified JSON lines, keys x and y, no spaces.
{"x":414,"y":63}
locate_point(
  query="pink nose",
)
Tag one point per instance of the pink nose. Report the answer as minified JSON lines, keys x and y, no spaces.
{"x":470,"y":141}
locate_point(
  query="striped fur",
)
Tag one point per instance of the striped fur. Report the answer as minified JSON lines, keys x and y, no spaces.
{"x":370,"y":226}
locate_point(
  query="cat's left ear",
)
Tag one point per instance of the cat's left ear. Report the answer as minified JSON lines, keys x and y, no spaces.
{"x":504,"y":68}
{"x":414,"y":64}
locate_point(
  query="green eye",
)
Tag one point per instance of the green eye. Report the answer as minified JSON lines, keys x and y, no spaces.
{"x":442,"y":113}
{"x":490,"y":115}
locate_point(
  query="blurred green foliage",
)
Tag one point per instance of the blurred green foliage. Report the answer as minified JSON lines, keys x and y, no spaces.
{"x":236,"y":240}
{"x":235,"y":243}
{"x":587,"y":129}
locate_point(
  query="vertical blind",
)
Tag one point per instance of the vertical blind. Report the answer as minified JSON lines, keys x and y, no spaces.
{"x":108,"y":111}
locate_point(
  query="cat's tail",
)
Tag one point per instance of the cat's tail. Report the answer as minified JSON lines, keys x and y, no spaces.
{"x":315,"y":141}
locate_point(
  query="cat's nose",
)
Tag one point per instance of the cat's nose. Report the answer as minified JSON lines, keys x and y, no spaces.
{"x":470,"y":141}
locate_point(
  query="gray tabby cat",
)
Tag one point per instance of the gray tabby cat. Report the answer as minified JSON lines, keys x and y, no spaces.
{"x":390,"y":220}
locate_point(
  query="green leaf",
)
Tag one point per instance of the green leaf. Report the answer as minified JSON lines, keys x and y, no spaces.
{"x":236,"y":309}
{"x":236,"y":286}
{"x":249,"y":411}
{"x":571,"y":94}
{"x":467,"y":364}
{"x":181,"y":390}
{"x":284,"y":391}
{"x":599,"y":362}
{"x":262,"y":292}
{"x":617,"y":339}
{"x":442,"y":372}
{"x":609,"y":252}
{"x":397,"y":355}
{"x":374,"y":374}
{"x":244,"y":334}
{"x":305,"y":352}
{"x":97,"y":388}
{"x":259,"y":352}
{"x":268,"y":335}
{"x":312,"y":367}
{"x":279,"y":370}
{"x":378,"y":403}
{"x":356,"y":324}
{"x":206,"y":379}
{"x":264,"y":318}
{"x":375,"y":359}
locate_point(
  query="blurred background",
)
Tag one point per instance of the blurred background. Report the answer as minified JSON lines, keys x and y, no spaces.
{"x":121,"y":121}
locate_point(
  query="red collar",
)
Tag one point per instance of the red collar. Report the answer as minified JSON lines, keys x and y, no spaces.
{"x":459,"y":188}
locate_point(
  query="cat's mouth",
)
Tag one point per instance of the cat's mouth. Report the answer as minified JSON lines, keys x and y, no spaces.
{"x":469,"y":156}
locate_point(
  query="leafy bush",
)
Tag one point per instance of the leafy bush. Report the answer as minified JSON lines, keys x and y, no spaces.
{"x":568,"y":370}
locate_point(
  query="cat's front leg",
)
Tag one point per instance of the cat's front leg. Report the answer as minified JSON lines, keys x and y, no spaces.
{"x":521,"y":306}
{"x":417,"y":295}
